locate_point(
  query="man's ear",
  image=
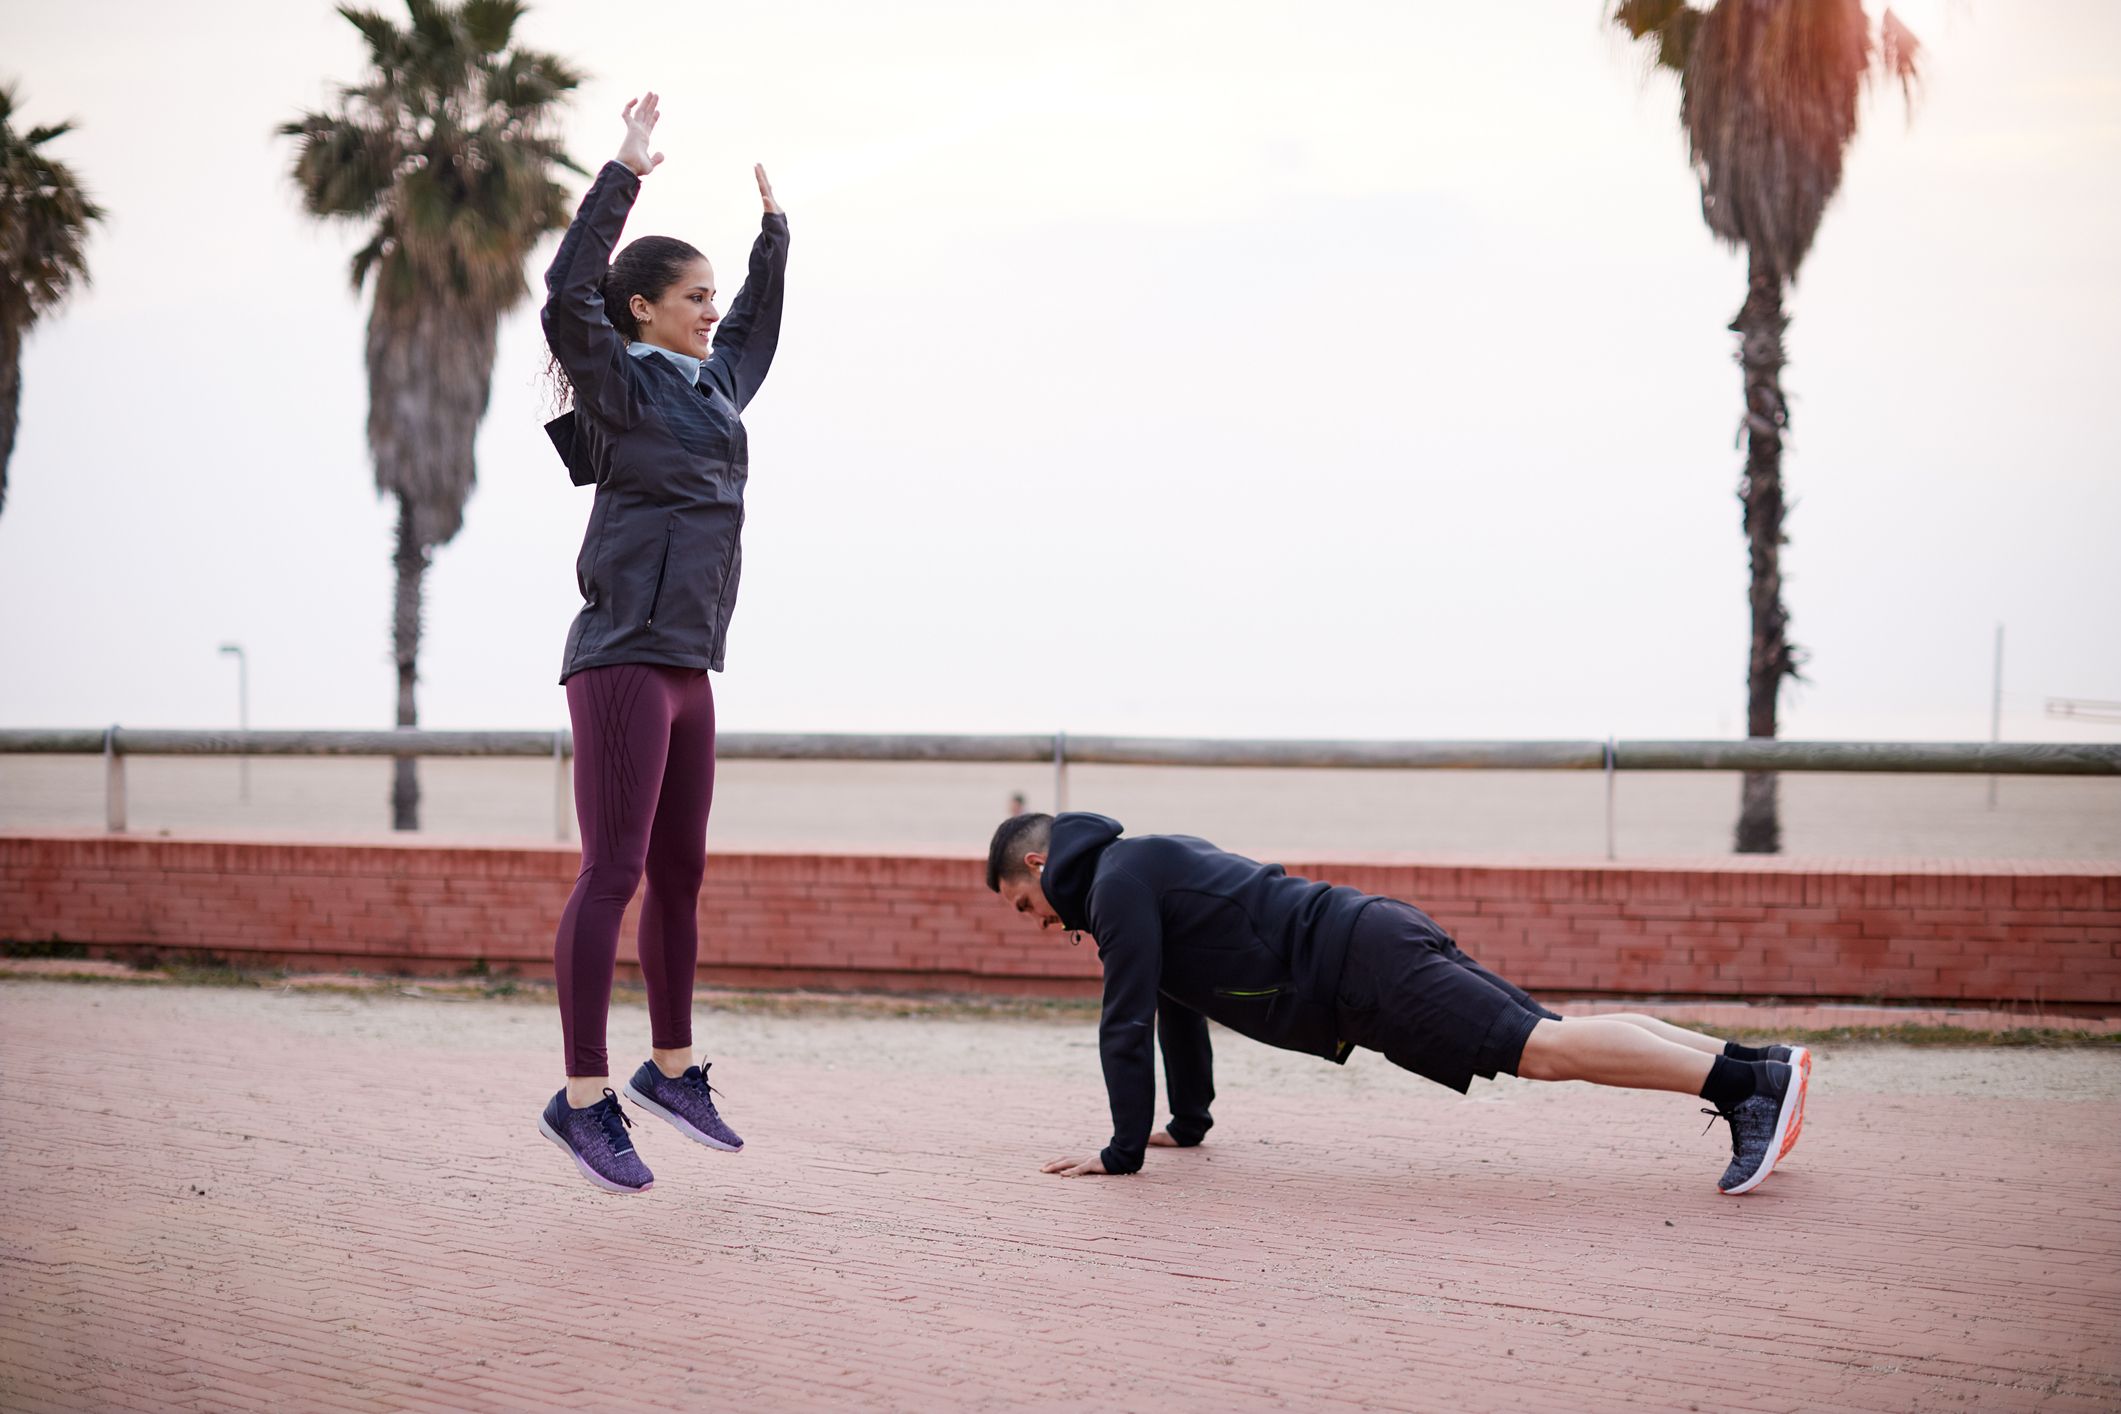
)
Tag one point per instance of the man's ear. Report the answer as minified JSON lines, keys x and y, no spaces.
{"x":1034,"y":860}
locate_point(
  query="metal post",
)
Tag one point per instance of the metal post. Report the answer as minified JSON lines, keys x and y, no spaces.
{"x":559,"y":785}
{"x":1060,"y":772}
{"x":242,"y":709}
{"x":1995,"y":711}
{"x":1612,"y":753}
{"x":113,"y":782}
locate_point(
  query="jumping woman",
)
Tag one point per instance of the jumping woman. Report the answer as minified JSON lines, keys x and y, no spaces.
{"x":659,"y":379}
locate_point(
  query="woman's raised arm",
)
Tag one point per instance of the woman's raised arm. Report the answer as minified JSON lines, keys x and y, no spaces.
{"x":749,"y":333}
{"x":576,"y":326}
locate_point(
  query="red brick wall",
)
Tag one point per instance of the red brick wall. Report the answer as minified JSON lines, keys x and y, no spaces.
{"x":1986,"y":931}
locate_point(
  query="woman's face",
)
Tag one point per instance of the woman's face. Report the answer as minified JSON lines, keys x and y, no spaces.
{"x":683,"y":319}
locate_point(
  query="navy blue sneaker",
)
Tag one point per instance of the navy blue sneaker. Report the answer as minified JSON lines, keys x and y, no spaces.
{"x":595,"y":1138}
{"x":687,"y":1102}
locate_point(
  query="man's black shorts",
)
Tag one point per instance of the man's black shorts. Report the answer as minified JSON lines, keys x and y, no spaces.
{"x":1407,"y":990}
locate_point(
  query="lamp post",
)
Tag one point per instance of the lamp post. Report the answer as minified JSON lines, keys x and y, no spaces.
{"x":1995,"y":711}
{"x":242,"y":706}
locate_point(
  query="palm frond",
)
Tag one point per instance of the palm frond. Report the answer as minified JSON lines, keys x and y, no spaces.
{"x":45,"y":217}
{"x":526,"y":85}
{"x":446,"y":147}
{"x":1899,"y":56}
{"x":490,"y":23}
{"x":344,"y":167}
{"x":1675,"y":40}
{"x":1769,"y":103}
{"x":366,"y":258}
{"x":386,"y":43}
{"x":1669,"y":24}
{"x":434,"y":25}
{"x":1645,"y":17}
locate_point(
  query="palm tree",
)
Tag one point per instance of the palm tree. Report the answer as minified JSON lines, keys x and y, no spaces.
{"x":446,"y":149}
{"x":44,"y":221}
{"x":1768,"y":98}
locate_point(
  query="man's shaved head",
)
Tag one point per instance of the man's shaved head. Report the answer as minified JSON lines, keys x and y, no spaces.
{"x":1014,"y":838}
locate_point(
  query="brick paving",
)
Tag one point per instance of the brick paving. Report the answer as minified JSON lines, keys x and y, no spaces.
{"x":234,"y":1199}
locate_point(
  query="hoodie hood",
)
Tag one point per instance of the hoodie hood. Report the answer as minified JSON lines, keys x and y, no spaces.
{"x":1078,"y":842}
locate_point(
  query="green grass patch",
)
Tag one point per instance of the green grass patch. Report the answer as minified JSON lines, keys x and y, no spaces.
{"x":204,"y":971}
{"x":51,"y":948}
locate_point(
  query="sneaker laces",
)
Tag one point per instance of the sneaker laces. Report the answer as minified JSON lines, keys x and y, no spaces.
{"x":1730,"y":1118}
{"x":700,"y":1083}
{"x":616,"y":1133}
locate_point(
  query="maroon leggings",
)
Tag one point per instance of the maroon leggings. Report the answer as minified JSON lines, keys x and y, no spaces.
{"x":643,"y":782}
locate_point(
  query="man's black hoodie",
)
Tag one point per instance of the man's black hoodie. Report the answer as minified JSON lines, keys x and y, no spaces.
{"x":1215,"y":935}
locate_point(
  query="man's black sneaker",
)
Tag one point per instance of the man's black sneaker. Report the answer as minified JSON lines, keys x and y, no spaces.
{"x":1763,"y":1127}
{"x":1789,"y":1055}
{"x":595,"y":1138}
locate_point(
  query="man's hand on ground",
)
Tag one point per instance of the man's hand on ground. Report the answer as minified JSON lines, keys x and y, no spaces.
{"x":1073,"y":1168}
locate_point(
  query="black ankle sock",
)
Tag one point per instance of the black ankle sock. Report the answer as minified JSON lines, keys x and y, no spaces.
{"x":1730,"y":1081}
{"x":1743,"y":1053}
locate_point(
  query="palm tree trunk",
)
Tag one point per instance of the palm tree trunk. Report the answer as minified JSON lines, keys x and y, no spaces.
{"x":411,"y":562}
{"x":10,"y":398}
{"x":1759,"y":326}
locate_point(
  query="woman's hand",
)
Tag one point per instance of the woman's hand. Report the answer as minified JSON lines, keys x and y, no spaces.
{"x":640,"y":115}
{"x":773,"y":208}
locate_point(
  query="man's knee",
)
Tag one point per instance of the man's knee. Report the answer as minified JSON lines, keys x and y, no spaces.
{"x":1542,"y":1056}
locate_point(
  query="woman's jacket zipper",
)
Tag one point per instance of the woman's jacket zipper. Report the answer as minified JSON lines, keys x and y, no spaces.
{"x":662,"y":570}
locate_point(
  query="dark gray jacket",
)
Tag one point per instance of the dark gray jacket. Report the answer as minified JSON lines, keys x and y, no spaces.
{"x":1187,"y":931}
{"x":660,"y":562}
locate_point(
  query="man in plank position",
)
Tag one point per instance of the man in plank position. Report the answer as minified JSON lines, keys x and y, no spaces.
{"x":1187,"y":932}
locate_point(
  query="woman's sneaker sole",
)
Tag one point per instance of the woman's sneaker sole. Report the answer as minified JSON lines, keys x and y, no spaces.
{"x":587,"y":1172}
{"x":677,"y":1121}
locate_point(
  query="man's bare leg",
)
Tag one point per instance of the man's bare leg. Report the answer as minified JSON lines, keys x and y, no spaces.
{"x":1608,"y":1050}
{"x":1709,"y":1045}
{"x":1678,"y":1035}
{"x":1763,"y":1100}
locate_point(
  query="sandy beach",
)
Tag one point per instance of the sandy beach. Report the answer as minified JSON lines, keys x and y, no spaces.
{"x":948,"y":808}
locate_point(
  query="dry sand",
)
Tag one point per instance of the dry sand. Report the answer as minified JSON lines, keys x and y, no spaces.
{"x":834,"y":806}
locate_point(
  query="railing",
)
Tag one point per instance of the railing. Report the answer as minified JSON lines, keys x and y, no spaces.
{"x":1610,"y":756}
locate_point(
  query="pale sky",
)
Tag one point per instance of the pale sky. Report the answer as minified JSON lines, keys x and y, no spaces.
{"x":1334,"y":369}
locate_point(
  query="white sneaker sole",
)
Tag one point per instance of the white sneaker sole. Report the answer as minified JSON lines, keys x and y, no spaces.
{"x":1800,"y":1059}
{"x":1787,"y":1119}
{"x":587,"y":1172}
{"x":677,"y":1121}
